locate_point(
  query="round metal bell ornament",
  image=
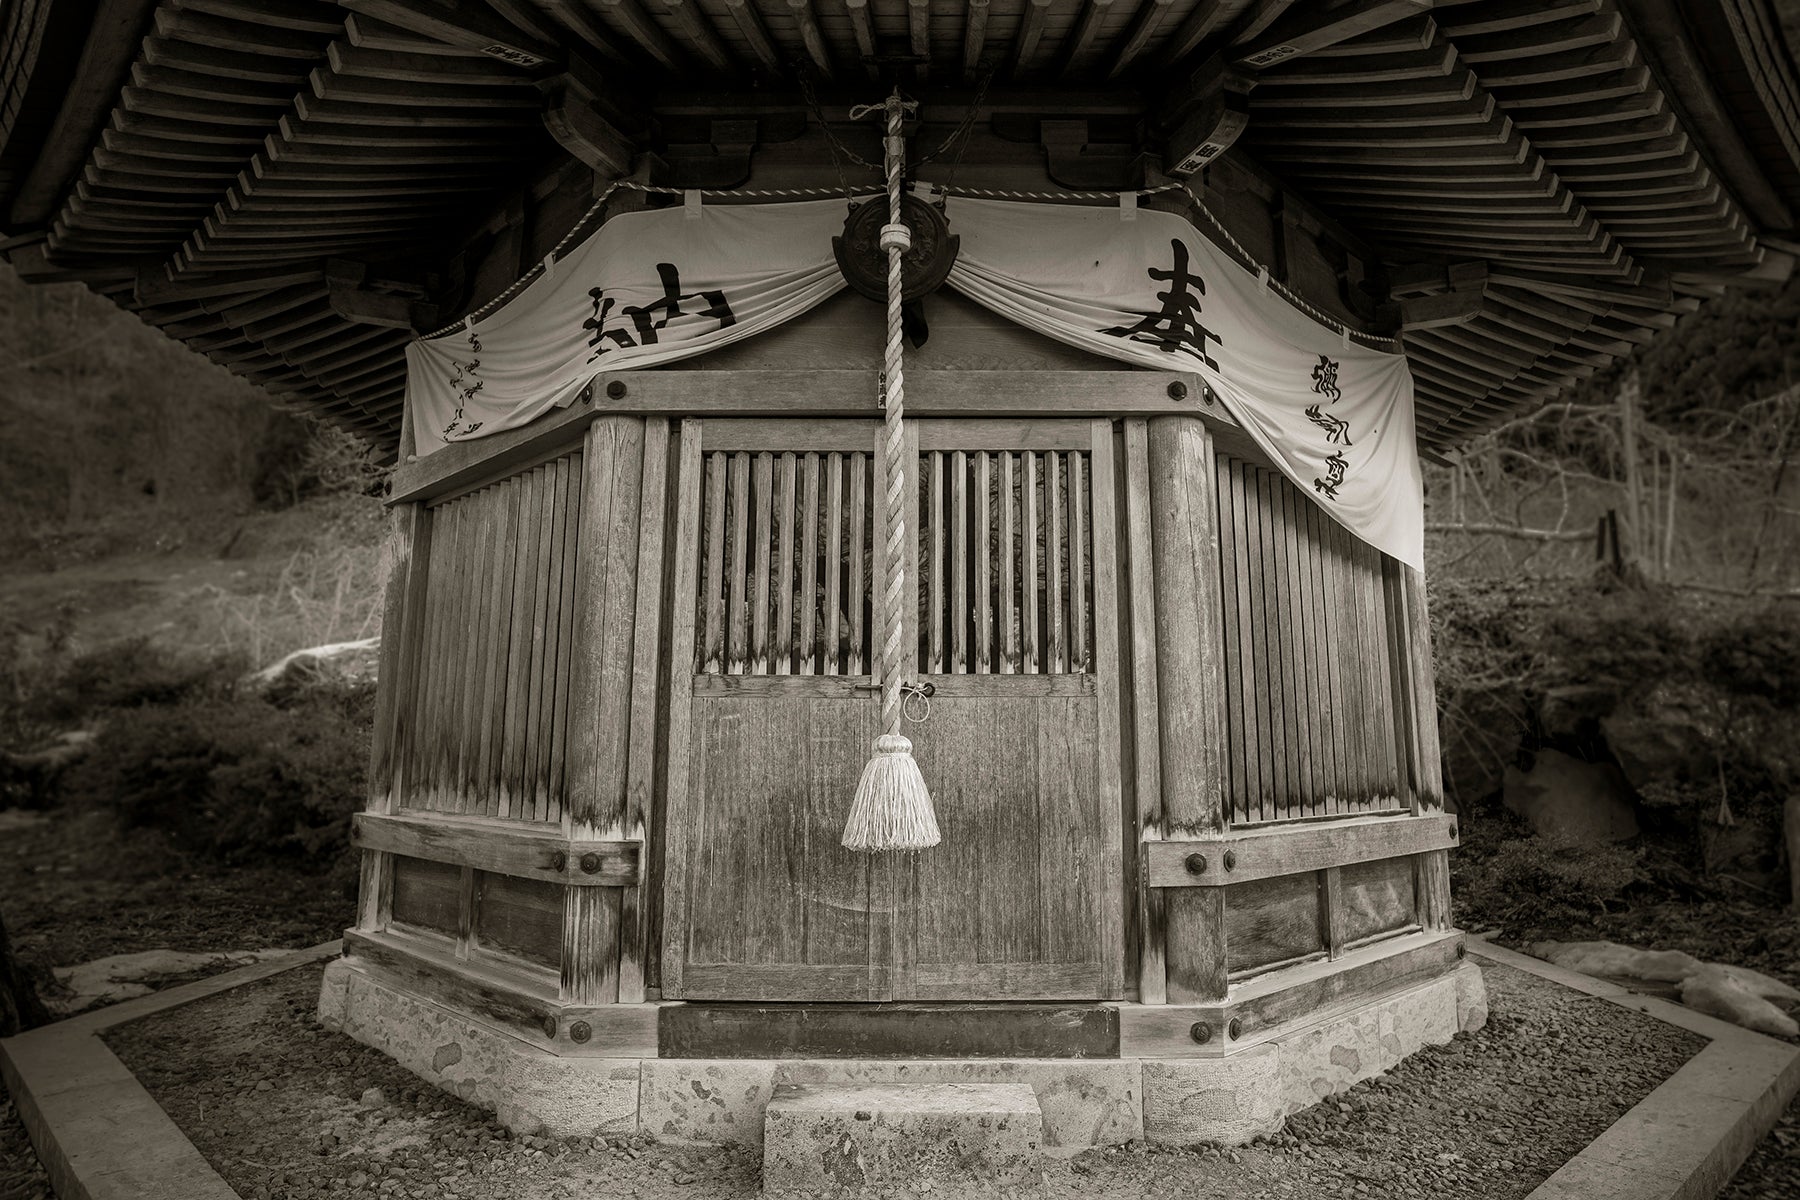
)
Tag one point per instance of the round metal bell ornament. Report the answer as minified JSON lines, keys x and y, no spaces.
{"x":923,"y":266}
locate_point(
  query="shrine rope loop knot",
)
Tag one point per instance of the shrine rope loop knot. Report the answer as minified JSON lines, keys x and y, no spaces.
{"x":892,"y":808}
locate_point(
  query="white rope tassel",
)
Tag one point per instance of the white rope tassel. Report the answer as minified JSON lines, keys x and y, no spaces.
{"x":892,"y":809}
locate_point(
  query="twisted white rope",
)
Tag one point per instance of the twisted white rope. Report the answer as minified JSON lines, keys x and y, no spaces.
{"x":896,"y":240}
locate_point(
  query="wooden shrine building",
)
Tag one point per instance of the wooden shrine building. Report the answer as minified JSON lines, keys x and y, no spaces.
{"x":1171,"y":692}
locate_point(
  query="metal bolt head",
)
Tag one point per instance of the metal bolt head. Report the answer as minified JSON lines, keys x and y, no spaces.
{"x":590,"y":863}
{"x":1206,"y":395}
{"x":1201,"y":1032}
{"x":1196,"y":864}
{"x":559,"y":861}
{"x":549,"y":1027}
{"x":1178,"y":390}
{"x":1461,"y":950}
{"x":1453,"y":830}
{"x":587,"y":394}
{"x":615,"y":389}
{"x":1234,"y":1030}
{"x":1230,"y":859}
{"x":580,"y":1031}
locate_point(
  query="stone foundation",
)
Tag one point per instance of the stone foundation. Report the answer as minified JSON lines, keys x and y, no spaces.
{"x":1084,"y":1102}
{"x":941,"y":1138}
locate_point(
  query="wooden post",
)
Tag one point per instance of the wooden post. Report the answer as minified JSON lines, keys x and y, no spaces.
{"x":1190,"y":682}
{"x":1146,"y":736}
{"x":646,"y":663}
{"x":1628,"y":450}
{"x":1424,"y":764}
{"x":1790,"y":834}
{"x":601,"y":691}
{"x":403,"y":603}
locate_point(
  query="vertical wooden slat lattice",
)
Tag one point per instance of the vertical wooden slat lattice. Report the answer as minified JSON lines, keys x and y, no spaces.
{"x":784,"y":580}
{"x":1311,"y":712}
{"x":491,"y":688}
{"x":1003,"y":563}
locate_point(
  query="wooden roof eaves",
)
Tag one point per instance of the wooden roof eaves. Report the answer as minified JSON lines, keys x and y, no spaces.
{"x":1772,"y":77}
{"x":114,"y":27}
{"x":1670,"y":53}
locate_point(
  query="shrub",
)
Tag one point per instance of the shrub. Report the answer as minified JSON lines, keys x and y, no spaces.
{"x":1528,"y":881}
{"x":132,"y":674}
{"x":240,"y":779}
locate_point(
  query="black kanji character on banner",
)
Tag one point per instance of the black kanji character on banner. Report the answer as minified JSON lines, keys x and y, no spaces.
{"x":645,"y":320}
{"x":1335,"y":467}
{"x":1325,"y":374}
{"x":1336,"y":428}
{"x":1176,"y":325}
{"x":466,"y":389}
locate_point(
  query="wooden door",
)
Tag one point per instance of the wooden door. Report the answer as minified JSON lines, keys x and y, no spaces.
{"x":771,"y":716}
{"x":774,"y":706}
{"x":1017,"y":638}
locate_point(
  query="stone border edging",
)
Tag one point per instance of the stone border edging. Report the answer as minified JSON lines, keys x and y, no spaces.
{"x":98,"y":1132}
{"x":1687,"y":1138}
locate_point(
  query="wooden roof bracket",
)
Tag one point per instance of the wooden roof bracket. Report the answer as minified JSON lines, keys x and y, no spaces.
{"x":1073,"y":161}
{"x":585,"y":114}
{"x":391,"y":303}
{"x":1308,"y":27}
{"x":465,"y":23}
{"x":1205,"y":114}
{"x":1460,"y":304}
{"x":574,"y":120}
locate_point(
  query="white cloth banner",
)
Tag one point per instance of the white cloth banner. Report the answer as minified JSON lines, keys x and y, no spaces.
{"x":1334,"y":415}
{"x":647,"y":288}
{"x":1336,"y":418}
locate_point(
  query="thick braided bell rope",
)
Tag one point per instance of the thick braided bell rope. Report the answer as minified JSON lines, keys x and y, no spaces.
{"x":896,"y":239}
{"x":892,"y":808}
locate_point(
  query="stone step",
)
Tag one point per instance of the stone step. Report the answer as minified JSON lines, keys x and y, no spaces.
{"x":837,"y":1139}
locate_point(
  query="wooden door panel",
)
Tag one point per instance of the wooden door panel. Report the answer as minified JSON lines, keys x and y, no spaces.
{"x":776,"y":908}
{"x":1009,"y":905}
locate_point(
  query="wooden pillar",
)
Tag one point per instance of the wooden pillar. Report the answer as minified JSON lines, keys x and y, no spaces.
{"x":600,"y":704}
{"x":1415,"y":685}
{"x":1190,"y":692}
{"x":1146,"y":738}
{"x":409,"y":547}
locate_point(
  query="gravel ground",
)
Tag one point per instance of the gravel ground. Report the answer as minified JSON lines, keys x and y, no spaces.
{"x":1772,"y":1172}
{"x":22,"y":1177}
{"x":285,"y":1111}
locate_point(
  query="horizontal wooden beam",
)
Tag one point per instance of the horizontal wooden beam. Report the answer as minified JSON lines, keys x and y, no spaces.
{"x":1262,"y":1007}
{"x":498,"y":997}
{"x":813,"y":395}
{"x":501,"y":847}
{"x":785,"y":1031}
{"x":156,"y":286}
{"x":1291,"y":849}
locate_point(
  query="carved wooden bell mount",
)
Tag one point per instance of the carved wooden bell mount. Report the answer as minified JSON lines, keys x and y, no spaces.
{"x":923,"y":267}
